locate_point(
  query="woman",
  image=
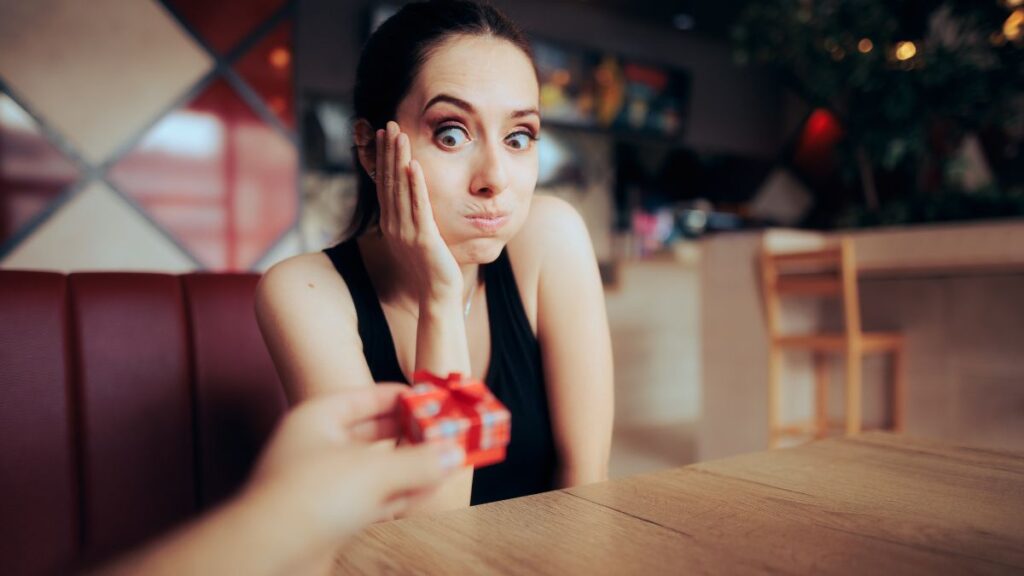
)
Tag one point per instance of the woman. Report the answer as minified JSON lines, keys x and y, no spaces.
{"x":453,"y":265}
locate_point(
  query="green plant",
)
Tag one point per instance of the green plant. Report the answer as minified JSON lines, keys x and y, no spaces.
{"x":907,"y":80}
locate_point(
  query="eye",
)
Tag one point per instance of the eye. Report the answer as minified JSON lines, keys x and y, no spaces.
{"x":451,"y":136}
{"x":520,"y":140}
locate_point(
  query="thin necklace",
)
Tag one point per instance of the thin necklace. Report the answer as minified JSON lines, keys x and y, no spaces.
{"x":469,"y":301}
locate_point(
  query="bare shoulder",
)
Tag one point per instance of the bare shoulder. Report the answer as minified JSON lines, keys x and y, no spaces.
{"x":553,"y":236}
{"x":300,"y":278}
{"x":554,"y":230}
{"x":308,"y":320}
{"x":309,"y":264}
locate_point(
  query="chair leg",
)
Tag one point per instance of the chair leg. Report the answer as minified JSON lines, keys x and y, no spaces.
{"x":821,"y":366}
{"x":853,"y":390}
{"x":899,"y":391}
{"x":774,"y":374}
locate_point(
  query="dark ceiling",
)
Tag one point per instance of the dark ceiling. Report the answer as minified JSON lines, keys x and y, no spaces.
{"x":710,"y":17}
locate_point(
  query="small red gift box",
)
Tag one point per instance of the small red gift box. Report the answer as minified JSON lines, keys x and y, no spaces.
{"x":464,"y":410}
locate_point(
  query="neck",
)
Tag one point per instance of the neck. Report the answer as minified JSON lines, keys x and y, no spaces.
{"x":470,"y":278}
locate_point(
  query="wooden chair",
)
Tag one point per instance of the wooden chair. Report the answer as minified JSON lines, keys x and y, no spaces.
{"x":829,"y":272}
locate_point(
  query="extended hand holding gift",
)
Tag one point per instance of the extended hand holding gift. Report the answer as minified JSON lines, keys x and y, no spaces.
{"x":318,"y":481}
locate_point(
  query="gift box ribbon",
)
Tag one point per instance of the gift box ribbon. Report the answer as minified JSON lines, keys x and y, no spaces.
{"x":466,"y":399}
{"x":469,"y":392}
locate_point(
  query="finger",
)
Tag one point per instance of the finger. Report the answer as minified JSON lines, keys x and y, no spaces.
{"x":421,"y":209}
{"x":368,"y":423}
{"x":382,"y":199}
{"x":348,"y":407}
{"x":415,"y":468}
{"x":393,"y":509}
{"x":413,"y":497}
{"x":377,"y":401}
{"x":389,"y":172}
{"x":403,"y":502}
{"x":380,"y":428}
{"x":402,"y":189}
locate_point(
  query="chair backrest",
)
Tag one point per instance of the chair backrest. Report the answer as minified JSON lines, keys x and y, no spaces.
{"x":128,"y":403}
{"x":825,"y":272}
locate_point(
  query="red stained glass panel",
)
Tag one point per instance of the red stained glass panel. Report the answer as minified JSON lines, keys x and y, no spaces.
{"x":225,"y":23}
{"x":216,"y":177}
{"x":33,"y":172}
{"x":267,"y":68}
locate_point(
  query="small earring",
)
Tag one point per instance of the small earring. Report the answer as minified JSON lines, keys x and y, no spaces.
{"x":373,"y":175}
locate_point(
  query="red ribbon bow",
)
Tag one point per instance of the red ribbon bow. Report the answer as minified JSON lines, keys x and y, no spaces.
{"x":471,"y":390}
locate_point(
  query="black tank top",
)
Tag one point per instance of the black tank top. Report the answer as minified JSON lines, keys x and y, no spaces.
{"x":515,"y":374}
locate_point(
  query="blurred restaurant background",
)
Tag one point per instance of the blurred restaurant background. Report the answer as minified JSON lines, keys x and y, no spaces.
{"x":177,"y":136}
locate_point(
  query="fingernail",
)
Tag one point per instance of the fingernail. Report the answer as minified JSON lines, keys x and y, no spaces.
{"x":452,"y":457}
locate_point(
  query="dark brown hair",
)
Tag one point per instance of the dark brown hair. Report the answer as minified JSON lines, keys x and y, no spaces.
{"x":394,"y":55}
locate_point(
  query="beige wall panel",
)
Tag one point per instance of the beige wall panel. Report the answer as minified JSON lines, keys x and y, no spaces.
{"x":653,"y":315}
{"x":97,"y":230}
{"x":97,"y":71}
{"x":288,"y":246}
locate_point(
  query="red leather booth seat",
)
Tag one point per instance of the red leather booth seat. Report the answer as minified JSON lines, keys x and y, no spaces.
{"x":128,"y":402}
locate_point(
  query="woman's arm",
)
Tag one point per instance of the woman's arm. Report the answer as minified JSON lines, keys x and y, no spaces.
{"x":308,"y":321}
{"x":441,"y":348}
{"x":572,"y":326}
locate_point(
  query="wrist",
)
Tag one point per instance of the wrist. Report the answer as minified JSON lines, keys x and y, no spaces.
{"x":441,"y":302}
{"x":292,"y":530}
{"x":441,"y":345}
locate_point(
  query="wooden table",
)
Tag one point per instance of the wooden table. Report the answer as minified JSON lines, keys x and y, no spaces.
{"x":872,"y":504}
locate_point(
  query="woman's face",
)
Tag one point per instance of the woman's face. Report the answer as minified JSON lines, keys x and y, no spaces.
{"x":472,"y":117}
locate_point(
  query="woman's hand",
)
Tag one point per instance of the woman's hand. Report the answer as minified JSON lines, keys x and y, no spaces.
{"x":407,"y":219}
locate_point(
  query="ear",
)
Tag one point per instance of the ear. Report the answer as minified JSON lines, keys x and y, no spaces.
{"x":365,"y":138}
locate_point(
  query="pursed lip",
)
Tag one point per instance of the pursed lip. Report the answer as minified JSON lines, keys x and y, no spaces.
{"x":488,"y":215}
{"x":488,"y":221}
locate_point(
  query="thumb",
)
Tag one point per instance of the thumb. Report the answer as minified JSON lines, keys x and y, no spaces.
{"x":413,"y":468}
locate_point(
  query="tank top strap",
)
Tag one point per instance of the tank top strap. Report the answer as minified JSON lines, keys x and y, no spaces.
{"x":349,"y":263}
{"x":378,"y":343}
{"x":504,"y":304}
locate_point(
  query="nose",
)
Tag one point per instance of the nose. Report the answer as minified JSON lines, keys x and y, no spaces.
{"x":490,"y":175}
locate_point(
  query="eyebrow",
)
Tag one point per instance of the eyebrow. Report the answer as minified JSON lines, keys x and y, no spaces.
{"x":460,"y":103}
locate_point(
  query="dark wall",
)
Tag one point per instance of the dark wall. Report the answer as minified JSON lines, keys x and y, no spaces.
{"x":737,"y":110}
